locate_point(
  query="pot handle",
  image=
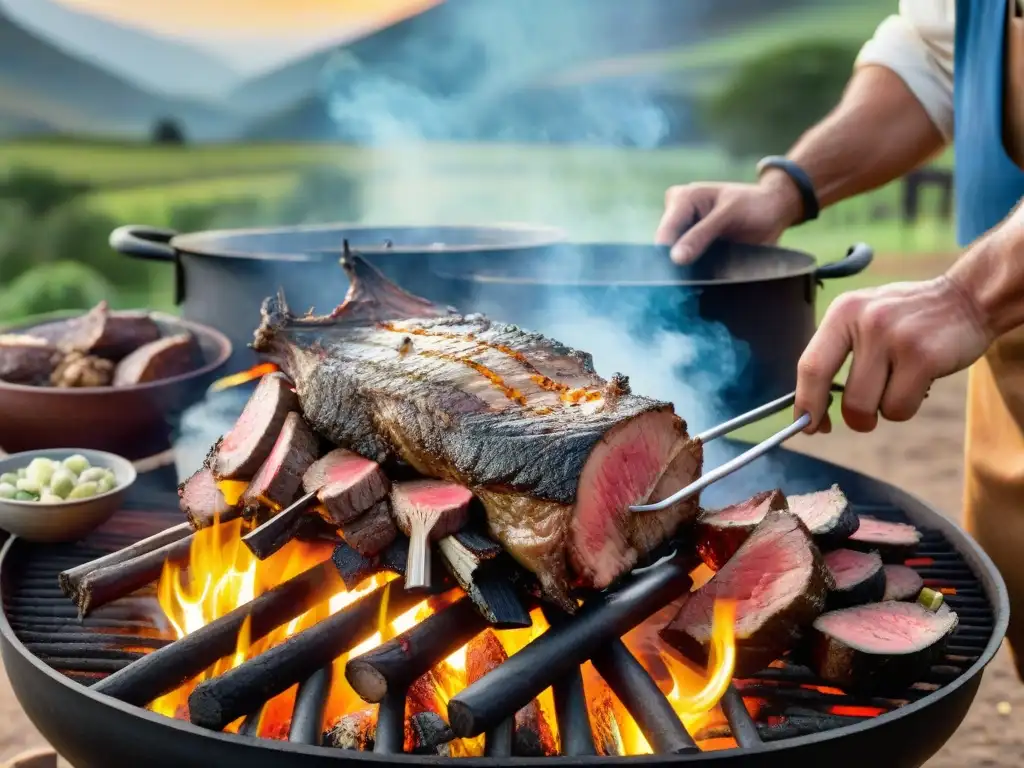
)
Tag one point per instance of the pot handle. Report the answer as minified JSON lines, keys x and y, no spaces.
{"x":142,"y":242}
{"x":152,"y":244}
{"x":857,"y":259}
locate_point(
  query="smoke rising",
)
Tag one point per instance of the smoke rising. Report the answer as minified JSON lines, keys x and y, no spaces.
{"x":480,"y":72}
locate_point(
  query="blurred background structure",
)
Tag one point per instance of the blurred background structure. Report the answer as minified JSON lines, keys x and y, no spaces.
{"x":578,"y":113}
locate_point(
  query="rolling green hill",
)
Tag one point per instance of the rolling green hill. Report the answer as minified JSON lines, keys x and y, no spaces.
{"x":41,"y":83}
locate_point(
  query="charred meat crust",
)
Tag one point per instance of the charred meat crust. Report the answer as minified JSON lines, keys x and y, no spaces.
{"x":372,"y":532}
{"x":201,"y":500}
{"x":828,"y":515}
{"x":763,"y":632}
{"x":849,"y":655}
{"x":241,"y":452}
{"x":278,"y":481}
{"x":512,"y":415}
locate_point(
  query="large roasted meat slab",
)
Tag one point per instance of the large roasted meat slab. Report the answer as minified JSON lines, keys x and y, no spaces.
{"x":555,"y":453}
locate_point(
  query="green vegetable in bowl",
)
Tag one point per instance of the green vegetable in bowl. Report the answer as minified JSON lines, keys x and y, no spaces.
{"x":83,"y":491}
{"x":76,"y":463}
{"x":50,"y":481}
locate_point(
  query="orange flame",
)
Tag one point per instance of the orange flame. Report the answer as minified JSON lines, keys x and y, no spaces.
{"x":238,"y":379}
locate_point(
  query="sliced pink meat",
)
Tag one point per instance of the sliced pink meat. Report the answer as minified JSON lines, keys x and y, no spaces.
{"x":895,"y":542}
{"x":721,"y":532}
{"x":858,"y":577}
{"x":347,"y":485}
{"x":902,"y":583}
{"x":242,"y":451}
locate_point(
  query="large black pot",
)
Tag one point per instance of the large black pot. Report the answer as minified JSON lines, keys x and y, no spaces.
{"x":764,"y":296}
{"x":222,"y":277}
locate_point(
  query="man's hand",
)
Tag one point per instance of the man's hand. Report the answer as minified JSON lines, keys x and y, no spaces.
{"x":903,"y":336}
{"x":696,"y":214}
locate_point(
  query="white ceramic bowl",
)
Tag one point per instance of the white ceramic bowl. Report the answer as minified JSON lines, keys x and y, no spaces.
{"x":68,"y":520}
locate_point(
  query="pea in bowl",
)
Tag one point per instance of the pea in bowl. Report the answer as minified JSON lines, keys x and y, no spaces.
{"x":61,"y":494}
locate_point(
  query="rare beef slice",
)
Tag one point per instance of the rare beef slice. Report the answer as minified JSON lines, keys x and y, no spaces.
{"x":895,"y":542}
{"x":902,"y":583}
{"x":859,"y":578}
{"x":371,"y":532}
{"x":555,"y":453}
{"x":279,"y":479}
{"x":779,"y":583}
{"x":721,"y":532}
{"x":880,"y":647}
{"x":346,"y":484}
{"x":243,"y":450}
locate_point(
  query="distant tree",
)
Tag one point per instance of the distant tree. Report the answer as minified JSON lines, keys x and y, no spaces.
{"x":773,"y":98}
{"x":49,"y":287}
{"x":167,"y":130}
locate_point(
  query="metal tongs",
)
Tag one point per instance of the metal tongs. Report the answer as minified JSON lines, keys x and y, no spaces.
{"x":745,"y":458}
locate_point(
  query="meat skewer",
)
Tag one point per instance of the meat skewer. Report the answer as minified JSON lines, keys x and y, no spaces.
{"x":269,"y":537}
{"x":425,"y":511}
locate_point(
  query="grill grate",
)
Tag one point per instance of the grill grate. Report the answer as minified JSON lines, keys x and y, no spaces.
{"x":788,"y":699}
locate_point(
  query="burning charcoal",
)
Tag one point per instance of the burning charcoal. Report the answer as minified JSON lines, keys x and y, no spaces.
{"x":353,"y":731}
{"x":430,"y":734}
{"x":858,"y":577}
{"x":485,"y":405}
{"x":347,"y":485}
{"x":242,"y":451}
{"x":76,"y":369}
{"x":721,"y":532}
{"x":396,"y":663}
{"x":166,"y":668}
{"x":26,"y":359}
{"x":161,"y":359}
{"x":902,"y":583}
{"x":425,"y":511}
{"x":650,"y":529}
{"x":202,"y":501}
{"x":561,"y":649}
{"x":371,"y":532}
{"x":221,"y":700}
{"x":269,"y":537}
{"x":483,"y":570}
{"x":895,"y":542}
{"x":107,"y":334}
{"x":879,"y":647}
{"x":779,"y":583}
{"x":280,"y":477}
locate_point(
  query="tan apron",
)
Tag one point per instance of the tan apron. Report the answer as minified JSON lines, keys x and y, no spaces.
{"x":994,"y":482}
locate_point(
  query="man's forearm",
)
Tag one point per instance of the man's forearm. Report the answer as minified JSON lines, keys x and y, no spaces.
{"x":877,"y":133}
{"x":991,"y":275}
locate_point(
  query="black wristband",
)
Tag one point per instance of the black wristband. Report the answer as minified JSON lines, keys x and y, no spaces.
{"x":800,"y":178}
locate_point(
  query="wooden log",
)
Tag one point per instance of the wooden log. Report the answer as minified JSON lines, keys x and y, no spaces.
{"x":167,"y":668}
{"x":70,"y":578}
{"x":398,"y":662}
{"x":272,"y":535}
{"x":484,"y":571}
{"x":217,"y":702}
{"x":561,"y":649}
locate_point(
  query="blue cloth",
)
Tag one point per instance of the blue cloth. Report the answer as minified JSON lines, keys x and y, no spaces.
{"x":988,"y":183}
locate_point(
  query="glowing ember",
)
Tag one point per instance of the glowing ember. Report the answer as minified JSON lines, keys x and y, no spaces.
{"x":238,"y":379}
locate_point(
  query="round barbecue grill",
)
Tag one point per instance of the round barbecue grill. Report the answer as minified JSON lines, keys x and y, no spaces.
{"x":51,"y":658}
